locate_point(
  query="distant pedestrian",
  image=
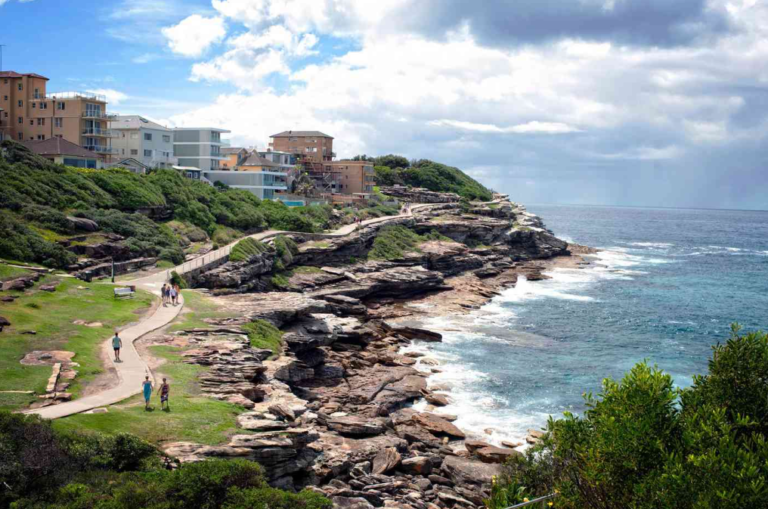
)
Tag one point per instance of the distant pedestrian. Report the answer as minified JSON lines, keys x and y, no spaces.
{"x":164,"y":391}
{"x":173,"y":295}
{"x":164,"y":294}
{"x":178,"y":292}
{"x":146,"y":386}
{"x":117,"y":344}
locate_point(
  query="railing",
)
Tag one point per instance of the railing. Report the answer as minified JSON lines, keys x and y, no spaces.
{"x":73,"y":95}
{"x":202,"y":261}
{"x":540,"y":500}
{"x":91,"y":131}
{"x":101,"y":149}
{"x":98,"y":114}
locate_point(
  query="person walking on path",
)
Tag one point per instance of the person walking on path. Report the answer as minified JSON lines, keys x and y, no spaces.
{"x":146,"y":386}
{"x":117,"y":344}
{"x":178,"y":292}
{"x":164,"y":391}
{"x":172,"y":291}
{"x":164,"y":294}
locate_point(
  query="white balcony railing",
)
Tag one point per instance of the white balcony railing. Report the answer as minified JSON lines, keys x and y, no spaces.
{"x":101,"y":149}
{"x":95,"y":131}
{"x":98,"y":114}
{"x":73,"y":95}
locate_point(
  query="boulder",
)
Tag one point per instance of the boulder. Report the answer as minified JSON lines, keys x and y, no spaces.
{"x":437,"y":425}
{"x":474,"y":445}
{"x":436,"y":399}
{"x":82,"y":224}
{"x":413,"y":332}
{"x":294,"y":372}
{"x":418,"y":465}
{"x":49,"y":287}
{"x":4,"y":322}
{"x":14,"y":284}
{"x":465,"y":471}
{"x":351,"y":503}
{"x":496,"y":454}
{"x":283,"y":412}
{"x":386,"y":460}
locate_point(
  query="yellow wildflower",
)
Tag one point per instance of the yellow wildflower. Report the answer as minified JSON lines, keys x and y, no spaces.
{"x":526,"y":499}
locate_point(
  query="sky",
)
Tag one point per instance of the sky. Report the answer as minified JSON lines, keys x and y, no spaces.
{"x":607,"y":102}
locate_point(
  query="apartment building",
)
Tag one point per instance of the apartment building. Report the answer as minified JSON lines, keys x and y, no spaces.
{"x":139,"y":138}
{"x":234,"y":156}
{"x":31,"y":113}
{"x":312,"y":146}
{"x":198,"y":147}
{"x":353,"y":177}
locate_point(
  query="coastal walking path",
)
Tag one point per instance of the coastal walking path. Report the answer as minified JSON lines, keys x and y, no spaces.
{"x":132,"y":370}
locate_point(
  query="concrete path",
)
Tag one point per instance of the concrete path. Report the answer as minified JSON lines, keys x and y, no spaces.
{"x":132,"y":370}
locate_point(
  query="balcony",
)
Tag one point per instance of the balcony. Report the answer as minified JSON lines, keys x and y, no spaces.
{"x":73,"y":95}
{"x":100,"y":149}
{"x":98,"y":115}
{"x":95,"y":131}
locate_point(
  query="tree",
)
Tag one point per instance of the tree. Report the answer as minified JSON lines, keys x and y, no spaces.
{"x":392,"y":161}
{"x":362,"y":157}
{"x":304,"y":185}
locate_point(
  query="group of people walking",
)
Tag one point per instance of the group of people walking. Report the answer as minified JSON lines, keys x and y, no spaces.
{"x":170,"y":294}
{"x":164,"y":391}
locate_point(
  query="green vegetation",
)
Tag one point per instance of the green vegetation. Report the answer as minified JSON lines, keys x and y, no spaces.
{"x":264,"y":335}
{"x":48,"y":469}
{"x":37,"y":196}
{"x":9,"y":272}
{"x":193,"y":416}
{"x":643,"y":443}
{"x":245,"y":249}
{"x":433,"y":176}
{"x":197,"y":307}
{"x":281,"y":280}
{"x":393,"y":242}
{"x":51,"y":316}
{"x":177,"y":279}
{"x":286,"y":248}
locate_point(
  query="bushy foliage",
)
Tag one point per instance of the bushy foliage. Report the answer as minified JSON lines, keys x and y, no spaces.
{"x":393,"y":242}
{"x":645,"y":444}
{"x":178,"y":279}
{"x":48,"y":218}
{"x":285,"y":248}
{"x":245,"y":249}
{"x":392,"y":161}
{"x":21,"y":242}
{"x":435,"y":177}
{"x":129,"y":190}
{"x":263,"y":334}
{"x":41,"y":468}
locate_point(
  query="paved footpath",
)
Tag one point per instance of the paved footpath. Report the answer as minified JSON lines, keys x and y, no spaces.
{"x":132,"y":370}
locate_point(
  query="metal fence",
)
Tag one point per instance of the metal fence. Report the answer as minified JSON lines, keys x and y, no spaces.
{"x":204,"y":260}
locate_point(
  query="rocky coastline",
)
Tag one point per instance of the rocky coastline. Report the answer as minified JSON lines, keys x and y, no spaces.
{"x":334,"y":411}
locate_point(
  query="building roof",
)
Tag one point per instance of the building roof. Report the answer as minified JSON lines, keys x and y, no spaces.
{"x":129,"y":161}
{"x":231,"y":150}
{"x":12,"y":74}
{"x":202,"y":129}
{"x":288,"y":134}
{"x":135,"y":122}
{"x":58,"y":147}
{"x":256,"y":160}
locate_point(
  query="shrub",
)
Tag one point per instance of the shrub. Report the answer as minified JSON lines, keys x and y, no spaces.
{"x":245,"y":249}
{"x":285,"y":249}
{"x":433,"y":176}
{"x":178,"y":279}
{"x":393,"y":242}
{"x":271,"y":498}
{"x":129,"y":190}
{"x":205,"y":484}
{"x":263,"y":334}
{"x":48,"y":218}
{"x":20,"y":242}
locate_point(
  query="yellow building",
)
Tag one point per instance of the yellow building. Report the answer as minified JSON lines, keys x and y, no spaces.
{"x":30,"y":113}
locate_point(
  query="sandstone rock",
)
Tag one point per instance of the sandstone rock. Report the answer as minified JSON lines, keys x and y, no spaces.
{"x":511,"y":445}
{"x":80,"y":223}
{"x":255,"y":422}
{"x":413,"y":332}
{"x":351,"y":503}
{"x":14,"y":284}
{"x":49,"y":288}
{"x":387,"y":459}
{"x":436,"y":399}
{"x":496,"y":454}
{"x":418,"y":465}
{"x":283,"y":412}
{"x":464,"y":471}
{"x":330,"y":371}
{"x":474,"y":445}
{"x":437,"y":425}
{"x":355,"y":426}
{"x":294,"y":371}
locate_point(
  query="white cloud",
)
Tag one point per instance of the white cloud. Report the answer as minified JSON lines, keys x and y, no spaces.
{"x":194,"y":35}
{"x":533,"y":127}
{"x":145,"y":58}
{"x":114,"y":97}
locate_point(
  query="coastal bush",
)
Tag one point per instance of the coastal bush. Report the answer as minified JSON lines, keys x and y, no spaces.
{"x":392,"y":161}
{"x":644,"y":443}
{"x":285,"y":249}
{"x":41,"y":468}
{"x":263,"y":334}
{"x":433,"y":176}
{"x":245,"y":249}
{"x":20,"y":242}
{"x":393,"y":242}
{"x":178,"y":279}
{"x":129,"y":190}
{"x":48,"y":218}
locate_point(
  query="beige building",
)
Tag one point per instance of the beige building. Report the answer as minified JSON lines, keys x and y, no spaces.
{"x":64,"y":152}
{"x":312,"y":146}
{"x":353,"y":177}
{"x":30,"y":113}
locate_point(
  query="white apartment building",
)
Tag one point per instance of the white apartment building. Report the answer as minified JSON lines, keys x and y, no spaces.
{"x":143,"y":140}
{"x":198,"y":147}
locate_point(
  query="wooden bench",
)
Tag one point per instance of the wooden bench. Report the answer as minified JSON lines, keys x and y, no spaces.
{"x":124,"y":292}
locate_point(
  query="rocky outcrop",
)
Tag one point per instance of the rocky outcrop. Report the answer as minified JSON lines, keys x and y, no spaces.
{"x":244,"y":276}
{"x":82,"y":224}
{"x":419,"y":195}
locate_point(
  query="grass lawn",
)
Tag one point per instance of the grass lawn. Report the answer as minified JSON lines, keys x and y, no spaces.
{"x":192,"y":417}
{"x":8,"y":272}
{"x":322,"y":244}
{"x":198,"y":307}
{"x":51,"y":316}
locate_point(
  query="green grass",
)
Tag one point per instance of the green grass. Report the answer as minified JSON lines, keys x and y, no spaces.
{"x":8,"y":272}
{"x":198,"y":307}
{"x":322,"y":244}
{"x":193,"y":417}
{"x":305,"y":269}
{"x":165,"y":264}
{"x":281,"y":279}
{"x":51,"y":316}
{"x":264,"y":335}
{"x":245,"y":249}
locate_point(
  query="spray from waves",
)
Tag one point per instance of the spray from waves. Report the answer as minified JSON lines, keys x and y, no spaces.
{"x":656,"y":245}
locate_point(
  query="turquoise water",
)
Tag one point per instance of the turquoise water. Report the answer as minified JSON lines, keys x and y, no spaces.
{"x":666,"y":287}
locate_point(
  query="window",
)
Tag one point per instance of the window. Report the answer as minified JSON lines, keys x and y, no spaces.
{"x":41,"y":137}
{"x":33,"y":105}
{"x":21,"y":104}
{"x":43,"y":105}
{"x":122,"y":135}
{"x":147,"y":136}
{"x":31,"y":121}
{"x":37,"y":93}
{"x":40,"y":121}
{"x":147,"y":153}
{"x":61,"y":105}
{"x":5,"y":98}
{"x":166,"y":138}
{"x":58,"y":122}
{"x":21,"y":120}
{"x":134,"y":136}
{"x":122,"y":151}
{"x":134,"y":151}
{"x":21,"y":137}
{"x":21,"y":87}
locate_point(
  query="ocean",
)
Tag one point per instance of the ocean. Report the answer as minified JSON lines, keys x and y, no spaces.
{"x":665,"y":288}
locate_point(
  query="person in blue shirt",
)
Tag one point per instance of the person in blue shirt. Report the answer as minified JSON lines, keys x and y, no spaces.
{"x":147,"y":388}
{"x":117,"y":344}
